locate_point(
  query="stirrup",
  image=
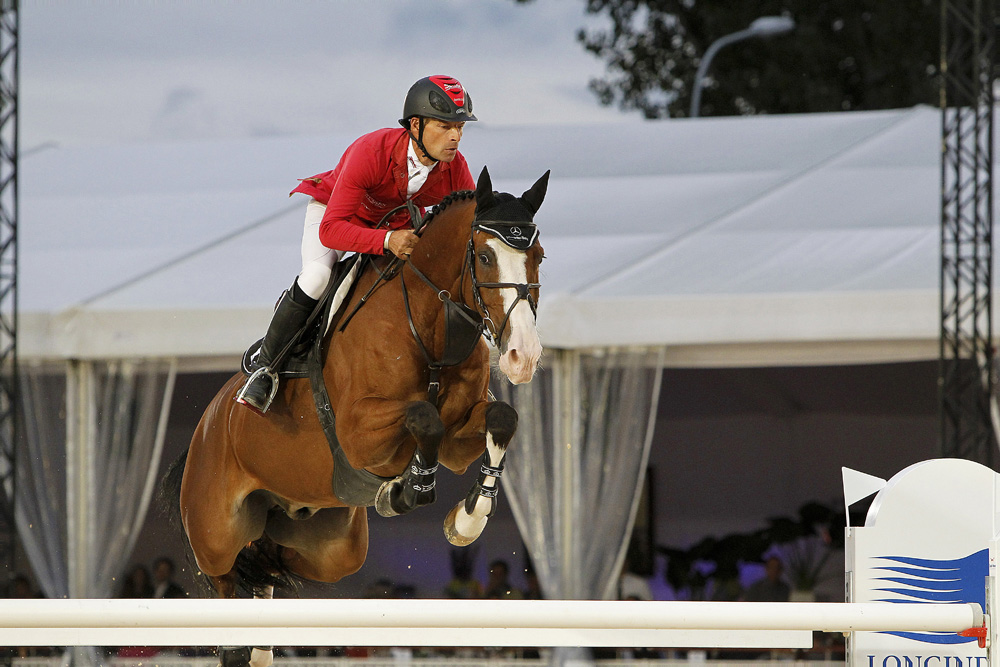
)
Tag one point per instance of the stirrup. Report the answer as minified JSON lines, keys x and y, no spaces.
{"x":261,"y":407}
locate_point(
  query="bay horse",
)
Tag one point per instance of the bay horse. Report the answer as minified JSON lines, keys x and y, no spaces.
{"x":262,"y":497}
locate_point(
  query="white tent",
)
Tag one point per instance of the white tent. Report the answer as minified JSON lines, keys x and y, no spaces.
{"x":733,"y":241}
{"x":763,"y":241}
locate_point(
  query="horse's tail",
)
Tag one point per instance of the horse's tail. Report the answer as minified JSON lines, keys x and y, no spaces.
{"x":169,"y":496}
{"x":169,"y":501}
{"x":258,"y":567}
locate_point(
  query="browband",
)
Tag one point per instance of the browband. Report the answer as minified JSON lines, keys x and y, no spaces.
{"x":518,"y":235}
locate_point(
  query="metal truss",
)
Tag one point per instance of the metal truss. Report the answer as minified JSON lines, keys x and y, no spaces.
{"x":8,"y":280}
{"x":966,"y":359}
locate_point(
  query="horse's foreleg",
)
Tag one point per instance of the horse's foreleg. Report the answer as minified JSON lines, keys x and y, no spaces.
{"x":466,"y":521}
{"x":415,"y":487}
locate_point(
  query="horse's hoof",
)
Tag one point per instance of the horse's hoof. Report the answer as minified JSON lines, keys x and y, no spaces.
{"x":473,"y":526}
{"x":383,"y":497}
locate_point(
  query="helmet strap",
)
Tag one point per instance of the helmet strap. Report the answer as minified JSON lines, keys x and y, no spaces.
{"x":420,"y":138}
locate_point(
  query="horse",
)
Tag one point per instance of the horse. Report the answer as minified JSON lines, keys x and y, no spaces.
{"x":264,"y":499}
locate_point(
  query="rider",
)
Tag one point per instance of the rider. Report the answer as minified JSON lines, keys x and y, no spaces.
{"x":378,"y":172}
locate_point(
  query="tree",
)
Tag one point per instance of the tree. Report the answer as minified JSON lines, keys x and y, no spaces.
{"x":843,"y":55}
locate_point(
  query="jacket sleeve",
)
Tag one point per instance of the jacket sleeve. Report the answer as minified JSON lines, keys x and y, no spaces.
{"x":341,"y":229}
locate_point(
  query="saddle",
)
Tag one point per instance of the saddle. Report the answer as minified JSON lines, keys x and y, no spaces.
{"x":305,"y":359}
{"x":296,"y":362}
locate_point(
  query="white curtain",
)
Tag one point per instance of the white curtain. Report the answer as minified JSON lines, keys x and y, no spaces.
{"x":40,"y":505}
{"x":575,"y":469}
{"x":88,"y":459}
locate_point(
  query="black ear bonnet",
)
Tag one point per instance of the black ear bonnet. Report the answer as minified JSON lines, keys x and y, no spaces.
{"x":509,"y":218}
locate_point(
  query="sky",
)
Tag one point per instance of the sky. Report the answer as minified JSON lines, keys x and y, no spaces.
{"x":104,"y":72}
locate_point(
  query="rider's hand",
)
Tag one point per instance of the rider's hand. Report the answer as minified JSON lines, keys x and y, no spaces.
{"x":402,"y":242}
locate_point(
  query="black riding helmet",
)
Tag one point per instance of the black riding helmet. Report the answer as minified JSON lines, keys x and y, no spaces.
{"x":440,"y":97}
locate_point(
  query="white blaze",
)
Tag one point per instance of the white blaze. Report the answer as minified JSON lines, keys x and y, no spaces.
{"x":518,"y":363}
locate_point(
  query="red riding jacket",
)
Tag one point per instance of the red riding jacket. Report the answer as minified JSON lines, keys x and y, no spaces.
{"x":369,"y":181}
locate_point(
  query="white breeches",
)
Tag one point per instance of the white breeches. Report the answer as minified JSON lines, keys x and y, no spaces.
{"x":317,"y":259}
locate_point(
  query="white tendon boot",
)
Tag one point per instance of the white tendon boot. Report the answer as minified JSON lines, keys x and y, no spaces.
{"x":462,"y":527}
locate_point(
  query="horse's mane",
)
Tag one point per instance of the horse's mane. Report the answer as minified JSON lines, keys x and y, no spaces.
{"x":458,"y":195}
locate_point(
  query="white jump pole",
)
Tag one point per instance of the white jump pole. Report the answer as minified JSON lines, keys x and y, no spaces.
{"x":350,"y":622}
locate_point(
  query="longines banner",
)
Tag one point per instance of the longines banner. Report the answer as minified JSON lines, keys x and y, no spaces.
{"x":926,"y":540}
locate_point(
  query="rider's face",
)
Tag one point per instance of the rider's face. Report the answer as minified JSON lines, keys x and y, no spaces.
{"x":441,"y":138}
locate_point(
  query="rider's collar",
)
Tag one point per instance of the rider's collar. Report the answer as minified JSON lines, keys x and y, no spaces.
{"x":518,"y":235}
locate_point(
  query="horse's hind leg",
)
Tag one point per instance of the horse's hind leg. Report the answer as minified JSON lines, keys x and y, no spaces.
{"x":466,"y":521}
{"x":327,"y":546}
{"x":416,"y":486}
{"x":241,"y":656}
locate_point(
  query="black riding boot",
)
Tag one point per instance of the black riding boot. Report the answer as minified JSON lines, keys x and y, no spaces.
{"x":289,"y":317}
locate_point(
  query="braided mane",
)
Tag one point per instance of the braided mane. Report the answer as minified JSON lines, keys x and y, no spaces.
{"x":459,"y":195}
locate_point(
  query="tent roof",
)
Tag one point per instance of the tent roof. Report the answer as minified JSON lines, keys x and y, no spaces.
{"x":749,"y":240}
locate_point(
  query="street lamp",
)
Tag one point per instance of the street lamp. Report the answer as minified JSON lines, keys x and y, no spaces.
{"x":765,"y":26}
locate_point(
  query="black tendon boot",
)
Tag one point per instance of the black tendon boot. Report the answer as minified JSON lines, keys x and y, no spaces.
{"x":289,"y":317}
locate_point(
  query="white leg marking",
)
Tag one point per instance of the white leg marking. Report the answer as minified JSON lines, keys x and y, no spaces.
{"x":472,"y":525}
{"x":263,"y":657}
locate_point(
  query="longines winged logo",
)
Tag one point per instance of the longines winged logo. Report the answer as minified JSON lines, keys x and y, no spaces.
{"x":929,"y":581}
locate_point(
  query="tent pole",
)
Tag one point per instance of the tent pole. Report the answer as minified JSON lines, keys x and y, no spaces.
{"x":80,"y":433}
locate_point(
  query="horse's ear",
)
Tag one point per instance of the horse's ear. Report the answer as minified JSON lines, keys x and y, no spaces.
{"x":533,"y":197}
{"x":484,"y":191}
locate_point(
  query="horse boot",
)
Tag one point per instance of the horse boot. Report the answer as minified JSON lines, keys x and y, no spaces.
{"x":416,"y":486}
{"x":290,"y":315}
{"x":486,"y":488}
{"x":233,"y":656}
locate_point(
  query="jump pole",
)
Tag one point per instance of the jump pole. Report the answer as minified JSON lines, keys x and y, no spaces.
{"x":352,"y":622}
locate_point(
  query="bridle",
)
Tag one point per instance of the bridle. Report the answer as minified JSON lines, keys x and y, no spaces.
{"x":517,"y":235}
{"x":462,"y":331}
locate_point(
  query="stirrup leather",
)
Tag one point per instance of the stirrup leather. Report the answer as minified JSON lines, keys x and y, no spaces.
{"x":241,"y":395}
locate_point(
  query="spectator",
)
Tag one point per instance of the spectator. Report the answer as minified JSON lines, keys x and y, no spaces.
{"x":463,"y":585}
{"x":137,"y":583}
{"x":533,"y":591}
{"x":498,"y":585}
{"x":166,"y":587}
{"x":20,"y":587}
{"x":771,"y":587}
{"x":633,"y":587}
{"x":380,"y":589}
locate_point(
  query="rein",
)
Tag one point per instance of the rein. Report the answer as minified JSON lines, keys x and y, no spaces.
{"x":394,"y":265}
{"x":463,"y":325}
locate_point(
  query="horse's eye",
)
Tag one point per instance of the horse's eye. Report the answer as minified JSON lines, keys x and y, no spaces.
{"x":484,"y":259}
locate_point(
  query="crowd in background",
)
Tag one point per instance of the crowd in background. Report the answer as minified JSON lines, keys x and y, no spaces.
{"x":158,"y":581}
{"x":141,"y":582}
